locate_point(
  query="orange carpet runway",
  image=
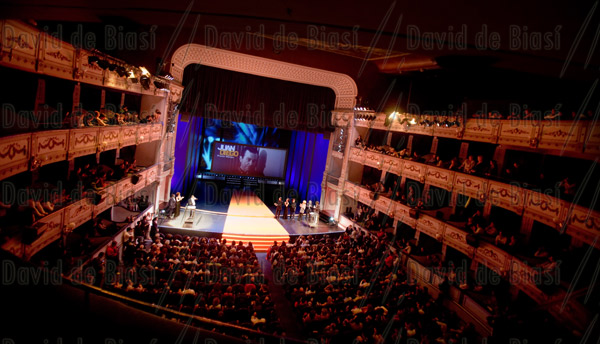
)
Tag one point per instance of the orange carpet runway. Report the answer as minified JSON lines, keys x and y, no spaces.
{"x":249,"y":219}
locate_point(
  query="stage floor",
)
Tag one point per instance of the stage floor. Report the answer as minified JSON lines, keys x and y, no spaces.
{"x":247,"y":219}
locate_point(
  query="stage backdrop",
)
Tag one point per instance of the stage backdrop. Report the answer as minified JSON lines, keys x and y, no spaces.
{"x":224,"y":106}
{"x":196,"y":139}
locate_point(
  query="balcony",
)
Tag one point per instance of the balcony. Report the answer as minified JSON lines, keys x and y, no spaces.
{"x":580,"y":222}
{"x":50,"y":228}
{"x":19,"y":153}
{"x":556,"y":136}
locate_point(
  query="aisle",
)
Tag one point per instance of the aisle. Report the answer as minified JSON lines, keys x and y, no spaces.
{"x":283,"y":307}
{"x":249,"y":219}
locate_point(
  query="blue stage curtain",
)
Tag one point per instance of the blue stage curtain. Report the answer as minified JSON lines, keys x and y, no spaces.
{"x":305,"y":165}
{"x":188,"y":155}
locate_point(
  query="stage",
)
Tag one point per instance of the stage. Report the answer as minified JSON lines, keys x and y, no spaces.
{"x":247,"y":218}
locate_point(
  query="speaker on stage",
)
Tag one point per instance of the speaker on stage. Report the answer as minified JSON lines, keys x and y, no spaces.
{"x":135,"y":179}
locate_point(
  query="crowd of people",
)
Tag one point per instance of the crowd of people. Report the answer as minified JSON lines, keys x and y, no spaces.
{"x":206,"y":277}
{"x":82,"y":118}
{"x":352,"y":288}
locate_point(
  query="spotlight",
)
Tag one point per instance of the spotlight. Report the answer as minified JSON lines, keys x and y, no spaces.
{"x":160,"y":84}
{"x":144,"y":71}
{"x":413,"y":121}
{"x":145,"y":82}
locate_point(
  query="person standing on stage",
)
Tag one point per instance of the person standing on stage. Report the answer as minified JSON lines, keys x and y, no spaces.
{"x":286,"y":205}
{"x":191,"y":204}
{"x":171,"y":206}
{"x":178,"y":200}
{"x":279,"y":204}
{"x":302,"y":209}
{"x":293,"y":208}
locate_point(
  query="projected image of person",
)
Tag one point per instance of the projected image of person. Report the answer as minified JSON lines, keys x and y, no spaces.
{"x":248,"y":162}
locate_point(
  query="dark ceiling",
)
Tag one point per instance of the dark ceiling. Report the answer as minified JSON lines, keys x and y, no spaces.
{"x":369,"y":40}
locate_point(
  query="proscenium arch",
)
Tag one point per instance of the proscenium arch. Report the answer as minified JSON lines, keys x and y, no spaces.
{"x":343,"y":85}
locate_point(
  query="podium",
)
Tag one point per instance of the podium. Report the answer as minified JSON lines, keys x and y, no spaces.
{"x":313,"y":219}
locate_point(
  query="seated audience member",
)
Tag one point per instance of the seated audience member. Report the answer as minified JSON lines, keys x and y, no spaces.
{"x":501,"y":239}
{"x":492,"y":169}
{"x":480,"y":166}
{"x":491,"y":229}
{"x":467,"y":165}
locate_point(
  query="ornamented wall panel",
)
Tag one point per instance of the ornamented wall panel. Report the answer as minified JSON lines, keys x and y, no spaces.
{"x":440,"y":177}
{"x":481,"y":130}
{"x":128,"y":136}
{"x":109,"y":138}
{"x":592,"y":141}
{"x":50,"y":231}
{"x":431,"y":227}
{"x":414,"y":170}
{"x":20,"y":45}
{"x":469,"y":185}
{"x":78,"y":213}
{"x":392,"y":165}
{"x":519,"y":133}
{"x":57,"y":58}
{"x":451,"y":133}
{"x":457,"y":239}
{"x":583,"y":224}
{"x":50,"y":146}
{"x":373,"y":159}
{"x":83,"y":142}
{"x":526,"y":279}
{"x":87,"y":72}
{"x":562,"y":135}
{"x":143,"y":134}
{"x":156,"y":132}
{"x":14,"y":154}
{"x":545,"y":209}
{"x":492,"y":257}
{"x":508,"y":196}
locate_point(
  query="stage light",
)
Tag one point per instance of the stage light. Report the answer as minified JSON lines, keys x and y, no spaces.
{"x":159,"y":84}
{"x":144,"y":71}
{"x":413,"y":121}
{"x":145,"y":82}
{"x":92,"y":59}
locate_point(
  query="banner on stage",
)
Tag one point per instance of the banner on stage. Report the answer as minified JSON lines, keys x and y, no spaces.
{"x":245,"y":160}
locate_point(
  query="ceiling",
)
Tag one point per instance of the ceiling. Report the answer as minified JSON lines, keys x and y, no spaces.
{"x":365,"y":40}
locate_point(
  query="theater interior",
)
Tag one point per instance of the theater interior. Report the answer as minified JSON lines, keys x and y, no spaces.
{"x":436,"y":163}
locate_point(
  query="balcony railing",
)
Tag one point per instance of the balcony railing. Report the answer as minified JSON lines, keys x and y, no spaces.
{"x":575,"y":136}
{"x":580,"y":222}
{"x":50,"y":228}
{"x":20,"y":153}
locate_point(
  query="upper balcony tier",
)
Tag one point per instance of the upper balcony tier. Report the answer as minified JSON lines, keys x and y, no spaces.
{"x":20,"y":153}
{"x":27,"y":48}
{"x":555,"y":136}
{"x":580,"y":222}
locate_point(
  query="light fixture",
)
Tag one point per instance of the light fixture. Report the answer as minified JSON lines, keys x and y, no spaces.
{"x":144,"y":71}
{"x":92,"y":59}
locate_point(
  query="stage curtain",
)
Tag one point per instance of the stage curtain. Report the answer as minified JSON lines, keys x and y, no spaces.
{"x":238,"y":97}
{"x":305,"y":165}
{"x":188,"y":146}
